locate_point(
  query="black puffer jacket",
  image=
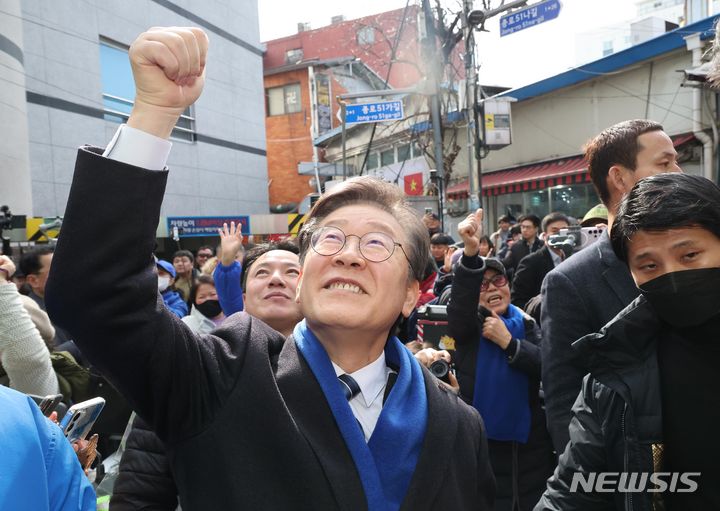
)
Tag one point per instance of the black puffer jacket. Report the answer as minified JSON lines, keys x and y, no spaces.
{"x":145,"y":481}
{"x":617,"y":420}
{"x":521,"y":470}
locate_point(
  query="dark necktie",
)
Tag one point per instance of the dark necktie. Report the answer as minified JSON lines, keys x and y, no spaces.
{"x":349,"y":385}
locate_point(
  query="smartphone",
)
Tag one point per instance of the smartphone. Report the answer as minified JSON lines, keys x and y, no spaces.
{"x":48,"y":403}
{"x":80,"y":418}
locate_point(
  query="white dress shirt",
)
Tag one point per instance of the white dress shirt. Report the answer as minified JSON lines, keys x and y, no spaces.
{"x":367,"y":405}
{"x":139,"y":148}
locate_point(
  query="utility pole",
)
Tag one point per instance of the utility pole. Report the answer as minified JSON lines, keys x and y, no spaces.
{"x":474,"y":176}
{"x":430,"y":46}
{"x":473,"y":19}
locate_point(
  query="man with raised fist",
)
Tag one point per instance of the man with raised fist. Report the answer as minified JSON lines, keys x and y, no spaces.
{"x":338,"y":415}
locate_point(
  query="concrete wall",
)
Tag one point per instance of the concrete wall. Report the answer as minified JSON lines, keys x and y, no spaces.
{"x":15,"y":186}
{"x":223,"y":173}
{"x":557,"y":124}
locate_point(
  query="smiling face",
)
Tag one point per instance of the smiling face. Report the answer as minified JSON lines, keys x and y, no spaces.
{"x":496,"y":298}
{"x":652,"y":254}
{"x":345,"y":290}
{"x":270,"y":289}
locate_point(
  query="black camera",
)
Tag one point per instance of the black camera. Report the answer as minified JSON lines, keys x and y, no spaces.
{"x":441,"y":370}
{"x":5,"y":218}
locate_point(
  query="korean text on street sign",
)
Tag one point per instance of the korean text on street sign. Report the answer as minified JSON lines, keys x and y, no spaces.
{"x":374,"y":112}
{"x":205,"y":225}
{"x":529,"y":16}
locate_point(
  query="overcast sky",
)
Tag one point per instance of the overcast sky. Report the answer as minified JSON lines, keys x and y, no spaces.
{"x":514,"y":60}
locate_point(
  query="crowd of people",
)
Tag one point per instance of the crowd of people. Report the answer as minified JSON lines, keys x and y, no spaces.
{"x":293,"y":374}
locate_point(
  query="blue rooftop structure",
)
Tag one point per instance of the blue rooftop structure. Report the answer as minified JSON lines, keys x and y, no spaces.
{"x":660,"y":45}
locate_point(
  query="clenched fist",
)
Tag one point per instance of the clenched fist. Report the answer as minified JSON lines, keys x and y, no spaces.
{"x":168,"y":66}
{"x":470,"y":230}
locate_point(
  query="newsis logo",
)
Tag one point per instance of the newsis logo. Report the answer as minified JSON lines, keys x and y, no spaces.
{"x":635,"y":482}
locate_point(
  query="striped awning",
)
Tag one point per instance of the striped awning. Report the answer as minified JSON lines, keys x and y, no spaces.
{"x":537,"y":176}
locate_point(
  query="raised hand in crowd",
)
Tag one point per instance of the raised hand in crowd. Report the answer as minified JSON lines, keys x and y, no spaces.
{"x":231,"y":239}
{"x":470,"y":230}
{"x":447,"y":265}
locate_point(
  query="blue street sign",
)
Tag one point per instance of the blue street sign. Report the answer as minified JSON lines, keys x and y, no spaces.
{"x":529,"y":16}
{"x":189,"y":226}
{"x":374,"y":112}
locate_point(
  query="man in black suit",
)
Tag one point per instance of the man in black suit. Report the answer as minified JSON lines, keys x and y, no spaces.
{"x":338,"y":415}
{"x":528,"y":243}
{"x":591,"y":287}
{"x":532,"y":269}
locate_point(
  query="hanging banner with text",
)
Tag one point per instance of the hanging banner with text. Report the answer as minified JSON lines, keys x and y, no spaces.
{"x":189,"y":226}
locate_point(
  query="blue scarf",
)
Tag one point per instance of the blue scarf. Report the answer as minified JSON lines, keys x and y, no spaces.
{"x":387,"y":461}
{"x":501,"y":391}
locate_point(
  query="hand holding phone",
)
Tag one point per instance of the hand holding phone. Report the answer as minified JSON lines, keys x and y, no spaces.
{"x":80,"y":418}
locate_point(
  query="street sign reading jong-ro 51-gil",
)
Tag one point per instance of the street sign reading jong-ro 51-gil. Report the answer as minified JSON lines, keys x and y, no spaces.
{"x":374,"y":112}
{"x":529,"y":16}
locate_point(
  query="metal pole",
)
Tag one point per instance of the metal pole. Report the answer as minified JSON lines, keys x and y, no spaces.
{"x":344,"y":152}
{"x":431,"y":55}
{"x":470,"y":105}
{"x":437,"y":137}
{"x":479,"y":114}
{"x":314,"y":125}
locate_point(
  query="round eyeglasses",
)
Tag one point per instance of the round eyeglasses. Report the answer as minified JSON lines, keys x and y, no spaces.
{"x":376,"y":247}
{"x":497,"y":281}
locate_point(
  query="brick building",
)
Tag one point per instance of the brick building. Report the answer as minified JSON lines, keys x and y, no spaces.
{"x":303,"y":74}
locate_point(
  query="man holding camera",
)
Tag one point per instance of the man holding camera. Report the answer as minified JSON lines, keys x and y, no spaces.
{"x":591,"y":287}
{"x":532,"y":269}
{"x":252,"y":419}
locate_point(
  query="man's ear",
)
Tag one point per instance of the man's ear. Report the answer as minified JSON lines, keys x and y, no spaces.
{"x":32,"y":280}
{"x":618,"y":180}
{"x":299,"y":285}
{"x":411,"y":298}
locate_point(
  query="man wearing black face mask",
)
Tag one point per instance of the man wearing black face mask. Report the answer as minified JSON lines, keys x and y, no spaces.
{"x":651,"y":402}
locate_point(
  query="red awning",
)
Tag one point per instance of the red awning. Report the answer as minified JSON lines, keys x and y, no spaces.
{"x":537,"y":176}
{"x":529,"y":177}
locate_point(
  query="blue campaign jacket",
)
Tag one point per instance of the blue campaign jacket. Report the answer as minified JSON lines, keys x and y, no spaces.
{"x":175,"y":303}
{"x":227,"y":284}
{"x":39,"y":469}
